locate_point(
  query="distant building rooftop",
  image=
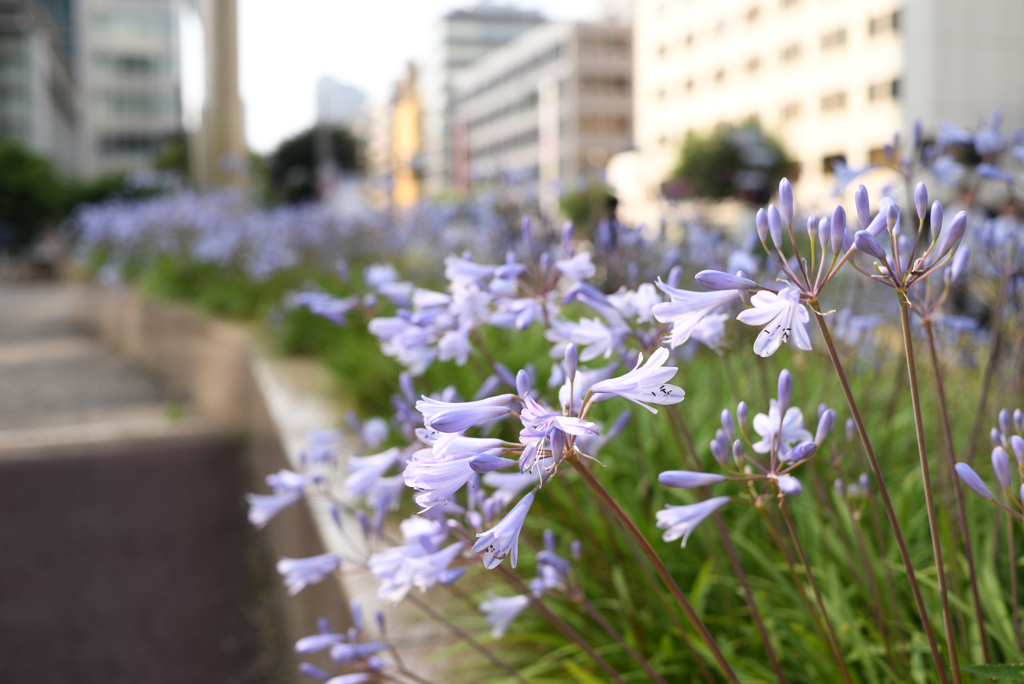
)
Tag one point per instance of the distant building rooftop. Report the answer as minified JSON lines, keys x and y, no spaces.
{"x":497,"y":13}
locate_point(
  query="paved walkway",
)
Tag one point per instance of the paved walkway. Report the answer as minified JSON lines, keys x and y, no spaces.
{"x":124,"y":551}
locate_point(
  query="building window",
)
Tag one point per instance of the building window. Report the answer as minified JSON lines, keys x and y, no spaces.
{"x":886,"y":90}
{"x":753,"y":64}
{"x":791,"y":111}
{"x":719,"y":75}
{"x":832,"y":159}
{"x":753,"y":14}
{"x":790,"y":53}
{"x":833,"y":102}
{"x":833,"y":39}
{"x":887,"y":23}
{"x":877,"y":156}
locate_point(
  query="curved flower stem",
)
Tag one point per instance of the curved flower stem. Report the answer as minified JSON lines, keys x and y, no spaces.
{"x":833,"y":641}
{"x":614,"y":634}
{"x":1013,"y":576}
{"x":558,"y":622}
{"x":990,"y":368}
{"x":676,"y":419}
{"x":465,"y":636}
{"x":659,"y":566}
{"x":877,"y":471}
{"x":958,"y":492}
{"x":933,"y":523}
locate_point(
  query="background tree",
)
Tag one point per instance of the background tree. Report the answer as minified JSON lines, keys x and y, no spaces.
{"x":293,"y":163}
{"x":740,"y":162}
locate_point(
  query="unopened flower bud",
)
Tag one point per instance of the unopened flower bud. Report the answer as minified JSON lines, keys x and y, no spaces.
{"x":761,"y":221}
{"x":576,"y":549}
{"x":971,"y":479}
{"x":995,"y":437}
{"x":867,"y":243}
{"x":544,"y":262}
{"x":892,"y":215}
{"x":675,"y":276}
{"x":865,"y":482}
{"x":785,"y":390}
{"x":877,"y":225}
{"x":686,"y":479}
{"x":853,"y":490}
{"x":860,"y":198}
{"x":812,"y":228}
{"x":567,"y":229}
{"x":800,"y":452}
{"x":775,"y":226}
{"x":522,"y":383}
{"x":936,"y":221}
{"x":824,"y":232}
{"x":450,"y":576}
{"x":921,"y":200}
{"x":789,"y":485}
{"x":1001,"y":464}
{"x":738,"y":453}
{"x":571,"y":361}
{"x":1017,"y":445}
{"x":838,"y":228}
{"x":527,"y":232}
{"x":741,"y":414}
{"x":952,"y":237}
{"x":838,"y":485}
{"x":959,"y":263}
{"x":557,"y":440}
{"x":786,"y":200}
{"x":822,"y":407}
{"x":549,"y":539}
{"x":721,"y":457}
{"x":717,"y":280}
{"x":1004,"y":421}
{"x":1018,"y":420}
{"x":727,"y":425}
{"x":825,"y":423}
{"x":851,"y":427}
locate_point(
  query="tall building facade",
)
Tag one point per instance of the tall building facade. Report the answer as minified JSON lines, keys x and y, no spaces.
{"x":406,"y":141}
{"x":551,"y":106}
{"x":37,"y":90}
{"x":832,"y":80}
{"x":458,"y":39}
{"x":129,"y":82}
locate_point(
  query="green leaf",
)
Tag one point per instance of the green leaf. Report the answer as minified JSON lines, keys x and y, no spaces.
{"x":1011,"y":672}
{"x":579,"y":674}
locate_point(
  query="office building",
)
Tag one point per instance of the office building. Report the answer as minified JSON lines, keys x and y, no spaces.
{"x":832,"y":80}
{"x":550,"y":107}
{"x":458,"y":39}
{"x":37,"y":91}
{"x":128,"y":78}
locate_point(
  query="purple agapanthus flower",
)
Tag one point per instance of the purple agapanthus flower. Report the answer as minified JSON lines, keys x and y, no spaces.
{"x":503,"y":539}
{"x":646,"y":384}
{"x":681,"y":521}
{"x":299,"y":573}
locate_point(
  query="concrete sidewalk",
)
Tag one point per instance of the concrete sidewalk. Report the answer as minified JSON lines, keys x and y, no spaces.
{"x":125,"y":555}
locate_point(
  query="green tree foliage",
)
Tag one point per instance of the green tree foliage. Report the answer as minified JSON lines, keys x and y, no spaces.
{"x":586,"y":207}
{"x":34,"y":197}
{"x":31,"y":196}
{"x":293,"y":163}
{"x":740,"y":162}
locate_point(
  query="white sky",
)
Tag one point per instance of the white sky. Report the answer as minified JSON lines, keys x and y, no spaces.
{"x":284,"y":47}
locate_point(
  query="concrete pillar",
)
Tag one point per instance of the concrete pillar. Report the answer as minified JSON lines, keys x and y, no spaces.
{"x":221,"y":157}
